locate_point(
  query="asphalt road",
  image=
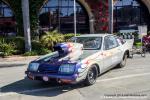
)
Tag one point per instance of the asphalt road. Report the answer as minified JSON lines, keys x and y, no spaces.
{"x":129,"y":83}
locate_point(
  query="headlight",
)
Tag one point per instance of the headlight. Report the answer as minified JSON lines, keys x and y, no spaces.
{"x":33,"y":66}
{"x":67,"y":68}
{"x":82,"y":67}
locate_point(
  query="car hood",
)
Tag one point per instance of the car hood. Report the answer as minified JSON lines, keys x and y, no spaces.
{"x":60,"y":60}
{"x":52,"y":66}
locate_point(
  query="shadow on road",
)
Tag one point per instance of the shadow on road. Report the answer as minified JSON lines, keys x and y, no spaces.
{"x":36,"y":88}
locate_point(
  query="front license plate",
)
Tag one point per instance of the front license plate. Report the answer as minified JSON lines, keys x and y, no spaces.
{"x":45,"y":78}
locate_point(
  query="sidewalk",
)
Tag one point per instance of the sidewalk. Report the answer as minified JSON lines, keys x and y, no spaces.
{"x":14,"y":61}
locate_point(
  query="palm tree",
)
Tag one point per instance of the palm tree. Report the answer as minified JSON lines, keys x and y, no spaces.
{"x":51,"y":38}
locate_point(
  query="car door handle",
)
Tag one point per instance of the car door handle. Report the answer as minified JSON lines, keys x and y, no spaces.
{"x":119,"y":49}
{"x":102,"y":54}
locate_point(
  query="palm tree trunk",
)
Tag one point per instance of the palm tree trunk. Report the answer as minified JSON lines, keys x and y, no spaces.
{"x":26,"y":23}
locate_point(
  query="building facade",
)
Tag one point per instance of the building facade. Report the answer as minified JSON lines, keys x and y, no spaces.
{"x":92,"y":15}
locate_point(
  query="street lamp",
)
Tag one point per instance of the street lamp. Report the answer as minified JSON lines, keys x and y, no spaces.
{"x":75,"y":19}
{"x":26,"y":24}
{"x":110,"y":16}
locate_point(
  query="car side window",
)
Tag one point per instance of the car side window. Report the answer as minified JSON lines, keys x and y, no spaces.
{"x":106,"y":43}
{"x":120,"y":40}
{"x":110,"y":42}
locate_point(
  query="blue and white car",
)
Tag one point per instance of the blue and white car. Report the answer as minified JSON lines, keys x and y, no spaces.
{"x":82,"y":59}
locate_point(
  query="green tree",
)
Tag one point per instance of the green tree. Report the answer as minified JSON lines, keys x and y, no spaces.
{"x":51,"y":38}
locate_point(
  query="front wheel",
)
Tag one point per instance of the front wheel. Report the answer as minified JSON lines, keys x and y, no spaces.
{"x":91,"y":76}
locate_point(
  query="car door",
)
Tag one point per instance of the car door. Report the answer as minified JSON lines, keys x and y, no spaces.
{"x":111,"y":52}
{"x":107,"y":54}
{"x":115,"y":50}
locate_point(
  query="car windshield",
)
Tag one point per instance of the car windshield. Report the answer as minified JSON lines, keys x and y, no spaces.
{"x":89,"y":43}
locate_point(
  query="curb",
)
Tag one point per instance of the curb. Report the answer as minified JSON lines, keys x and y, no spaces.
{"x":12,"y":65}
{"x":16,"y":61}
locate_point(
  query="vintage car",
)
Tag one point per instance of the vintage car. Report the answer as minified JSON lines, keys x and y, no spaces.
{"x":81,"y":60}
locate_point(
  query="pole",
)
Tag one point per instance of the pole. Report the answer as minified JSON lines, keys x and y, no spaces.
{"x":26,"y":25}
{"x":59,"y":12}
{"x":110,"y":16}
{"x":75,"y":19}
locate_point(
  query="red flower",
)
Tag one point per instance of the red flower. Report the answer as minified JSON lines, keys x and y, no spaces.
{"x":104,"y":28}
{"x":104,"y":20}
{"x":100,"y":13}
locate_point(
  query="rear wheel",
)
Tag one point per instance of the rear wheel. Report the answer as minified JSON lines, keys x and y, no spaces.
{"x":91,"y":76}
{"x":123,"y":62}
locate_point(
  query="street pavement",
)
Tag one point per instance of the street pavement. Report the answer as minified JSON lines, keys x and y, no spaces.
{"x":129,"y":83}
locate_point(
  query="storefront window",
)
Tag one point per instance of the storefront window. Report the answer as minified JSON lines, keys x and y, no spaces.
{"x":59,"y":14}
{"x":129,"y":14}
{"x":7,"y":20}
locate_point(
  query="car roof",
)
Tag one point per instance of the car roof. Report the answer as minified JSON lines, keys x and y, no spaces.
{"x":94,"y":35}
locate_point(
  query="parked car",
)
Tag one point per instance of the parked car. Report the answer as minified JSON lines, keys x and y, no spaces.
{"x":83,"y":59}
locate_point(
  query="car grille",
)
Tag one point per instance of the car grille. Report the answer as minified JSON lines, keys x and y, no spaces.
{"x":48,"y":71}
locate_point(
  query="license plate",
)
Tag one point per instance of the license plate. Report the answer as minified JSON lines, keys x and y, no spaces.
{"x":45,"y":78}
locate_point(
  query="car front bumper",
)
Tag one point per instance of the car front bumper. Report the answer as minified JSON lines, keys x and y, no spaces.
{"x":71,"y":79}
